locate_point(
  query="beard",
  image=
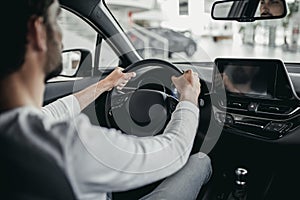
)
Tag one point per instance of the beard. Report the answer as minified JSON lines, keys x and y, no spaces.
{"x":54,"y":64}
{"x":54,"y":73}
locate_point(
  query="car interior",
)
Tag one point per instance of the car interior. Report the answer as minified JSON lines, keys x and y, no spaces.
{"x":249,"y":106}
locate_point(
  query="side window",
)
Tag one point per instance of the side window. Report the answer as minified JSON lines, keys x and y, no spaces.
{"x":79,"y":34}
{"x":108,"y":58}
{"x":76,"y":32}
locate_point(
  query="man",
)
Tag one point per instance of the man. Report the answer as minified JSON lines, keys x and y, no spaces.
{"x":240,"y":79}
{"x":269,"y":8}
{"x":94,"y":160}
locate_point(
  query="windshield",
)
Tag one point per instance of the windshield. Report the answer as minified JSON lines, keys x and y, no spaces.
{"x":184,"y":31}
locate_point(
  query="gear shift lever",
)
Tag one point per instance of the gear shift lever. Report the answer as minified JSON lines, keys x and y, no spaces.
{"x":241,"y":176}
{"x":240,"y":185}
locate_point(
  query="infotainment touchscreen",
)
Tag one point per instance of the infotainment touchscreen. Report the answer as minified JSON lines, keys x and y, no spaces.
{"x":259,"y":78}
{"x":245,"y":78}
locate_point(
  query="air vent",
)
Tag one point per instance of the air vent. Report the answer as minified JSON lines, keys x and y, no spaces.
{"x":273,"y":108}
{"x":238,"y":104}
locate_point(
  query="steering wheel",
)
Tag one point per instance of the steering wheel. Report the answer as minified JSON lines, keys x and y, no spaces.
{"x":145,"y":105}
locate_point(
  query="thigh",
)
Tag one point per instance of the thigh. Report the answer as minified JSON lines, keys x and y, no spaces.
{"x":186,"y":183}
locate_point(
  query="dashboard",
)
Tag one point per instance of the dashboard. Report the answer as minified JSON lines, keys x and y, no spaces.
{"x":270,"y":111}
{"x":252,"y":97}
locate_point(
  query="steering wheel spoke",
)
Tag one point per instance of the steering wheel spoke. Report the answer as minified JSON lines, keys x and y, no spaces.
{"x":120,"y":98}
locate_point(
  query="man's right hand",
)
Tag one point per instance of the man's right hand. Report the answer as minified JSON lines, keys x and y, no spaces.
{"x":188,"y":85}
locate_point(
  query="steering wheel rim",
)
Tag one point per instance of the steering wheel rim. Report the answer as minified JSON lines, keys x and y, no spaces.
{"x":149,"y":62}
{"x":206,"y":115}
{"x":143,"y":111}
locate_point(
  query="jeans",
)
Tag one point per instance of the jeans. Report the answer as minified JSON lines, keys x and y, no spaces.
{"x":186,"y":183}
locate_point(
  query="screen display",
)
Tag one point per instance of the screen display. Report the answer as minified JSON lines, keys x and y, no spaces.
{"x":257,"y":78}
{"x":245,"y":79}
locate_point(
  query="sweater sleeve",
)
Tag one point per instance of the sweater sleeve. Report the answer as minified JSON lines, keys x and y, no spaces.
{"x":105,"y":160}
{"x":65,"y":107}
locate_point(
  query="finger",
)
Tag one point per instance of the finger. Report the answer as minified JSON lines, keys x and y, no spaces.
{"x":196,"y":77}
{"x":189,"y":76}
{"x":120,"y":68}
{"x":189,"y":71}
{"x":123,"y":83}
{"x":133,"y":74}
{"x":128,"y":76}
{"x":174,"y":79}
{"x":121,"y":86}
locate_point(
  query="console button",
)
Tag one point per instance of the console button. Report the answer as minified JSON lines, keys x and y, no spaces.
{"x":252,"y":106}
{"x":273,"y":108}
{"x":237,"y":104}
{"x":286,"y":128}
{"x":224,"y":118}
{"x":229,"y":119}
{"x":275,"y":126}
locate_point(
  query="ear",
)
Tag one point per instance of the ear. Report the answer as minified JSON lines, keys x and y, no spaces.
{"x":37,"y":35}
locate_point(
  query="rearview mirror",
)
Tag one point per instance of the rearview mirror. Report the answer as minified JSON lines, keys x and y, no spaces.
{"x":248,"y":10}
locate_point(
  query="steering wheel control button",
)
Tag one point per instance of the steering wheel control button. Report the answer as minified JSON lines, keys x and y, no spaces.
{"x":220,"y":117}
{"x":222,"y":103}
{"x":201,"y":103}
{"x":172,"y":103}
{"x":119,"y":100}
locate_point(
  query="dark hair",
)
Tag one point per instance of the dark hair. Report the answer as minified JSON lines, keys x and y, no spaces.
{"x":14,"y":21}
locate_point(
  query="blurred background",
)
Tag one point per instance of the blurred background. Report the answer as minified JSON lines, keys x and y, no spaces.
{"x":182,"y":30}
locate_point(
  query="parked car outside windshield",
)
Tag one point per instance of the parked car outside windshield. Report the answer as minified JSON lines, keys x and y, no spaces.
{"x":178,"y":42}
{"x":275,"y":39}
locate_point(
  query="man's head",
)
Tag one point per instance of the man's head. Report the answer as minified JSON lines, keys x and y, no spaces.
{"x":269,"y":8}
{"x":243,"y":74}
{"x":30,"y":29}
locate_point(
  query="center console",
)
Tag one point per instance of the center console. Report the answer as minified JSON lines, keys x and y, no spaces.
{"x":254,"y":97}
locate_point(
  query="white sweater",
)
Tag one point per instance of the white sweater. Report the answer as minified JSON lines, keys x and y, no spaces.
{"x":97,"y":160}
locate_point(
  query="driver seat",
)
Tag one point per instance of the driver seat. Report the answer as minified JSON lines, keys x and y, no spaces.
{"x":27,"y":173}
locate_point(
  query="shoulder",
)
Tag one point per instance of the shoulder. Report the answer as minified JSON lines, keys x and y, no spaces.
{"x":29,"y":125}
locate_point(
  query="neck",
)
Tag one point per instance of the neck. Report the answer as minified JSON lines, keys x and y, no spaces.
{"x":22,"y":88}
